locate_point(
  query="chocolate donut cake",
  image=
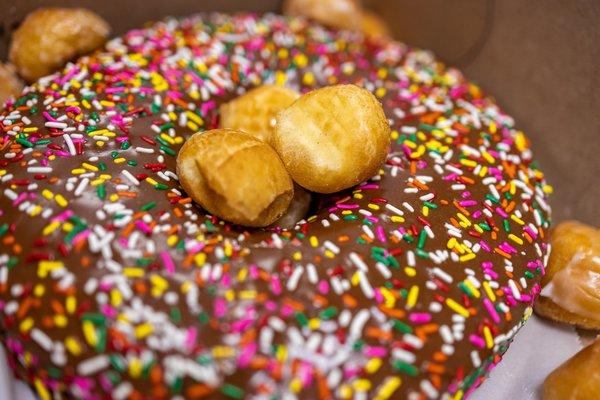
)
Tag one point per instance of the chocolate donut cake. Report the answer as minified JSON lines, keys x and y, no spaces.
{"x":114,"y":284}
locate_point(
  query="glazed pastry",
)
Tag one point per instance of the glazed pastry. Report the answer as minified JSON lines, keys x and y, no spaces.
{"x":254,"y":112}
{"x":571,"y":286}
{"x":115,"y":284}
{"x":373,"y":25}
{"x":235,"y":176}
{"x":332,"y":138}
{"x":576,"y":379}
{"x":49,"y":37}
{"x":10,"y":85}
{"x":342,"y":14}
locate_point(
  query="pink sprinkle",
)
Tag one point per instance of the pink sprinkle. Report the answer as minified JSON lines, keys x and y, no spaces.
{"x":168,"y":262}
{"x":491,"y":310}
{"x":220,"y":307}
{"x":477,"y":341}
{"x":420,"y":318}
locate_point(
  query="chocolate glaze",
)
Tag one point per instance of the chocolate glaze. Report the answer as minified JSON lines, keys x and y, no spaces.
{"x":270,"y":254}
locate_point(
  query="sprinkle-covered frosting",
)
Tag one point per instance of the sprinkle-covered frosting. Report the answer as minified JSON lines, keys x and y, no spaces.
{"x":114,"y":284}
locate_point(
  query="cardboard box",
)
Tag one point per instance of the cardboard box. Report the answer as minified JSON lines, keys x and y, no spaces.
{"x":539,"y":59}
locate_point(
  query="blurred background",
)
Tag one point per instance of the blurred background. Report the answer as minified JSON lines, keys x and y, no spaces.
{"x":539,"y":59}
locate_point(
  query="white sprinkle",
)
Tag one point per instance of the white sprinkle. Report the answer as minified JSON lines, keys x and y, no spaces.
{"x":394,"y":209}
{"x":57,"y":125}
{"x":358,"y":262}
{"x":332,"y":247}
{"x":292,"y":283}
{"x":122,"y":391}
{"x":39,"y":170}
{"x":42,"y":339}
{"x":404,"y":355}
{"x":514,"y":289}
{"x":70,"y":144}
{"x":93,"y":365}
{"x":131,"y":178}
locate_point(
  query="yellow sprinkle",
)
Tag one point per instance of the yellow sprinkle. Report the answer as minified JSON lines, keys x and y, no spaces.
{"x":297,"y":256}
{"x":135,"y":367}
{"x":60,"y":320}
{"x":247,"y":294}
{"x":71,"y":304}
{"x":329,"y":254}
{"x":119,"y":160}
{"x":143,"y":330}
{"x":296,"y":385}
{"x":230,"y":295}
{"x":464,"y":220}
{"x":425,"y":211}
{"x":314,"y":242}
{"x":397,"y":218}
{"x":489,"y":340}
{"x":314,"y":323}
{"x":413,"y":295}
{"x":26,"y":324}
{"x":478,"y":228}
{"x":459,"y":395}
{"x":515,"y":239}
{"x":151,"y":181}
{"x":73,"y":346}
{"x":199,"y":259}
{"x":242,"y":274}
{"x":41,"y":390}
{"x":380,"y":92}
{"x":39,"y":290}
{"x":457,"y":308}
{"x":89,"y":332}
{"x":390,"y":300}
{"x":115,"y":298}
{"x":452,"y":242}
{"x":44,"y":267}
{"x":373,"y":206}
{"x":373,"y":365}
{"x":47,"y":194}
{"x":488,"y":157}
{"x":194,"y":117}
{"x":167,"y":138}
{"x":488,"y":291}
{"x":308,"y":79}
{"x":90,"y":167}
{"x":60,"y":200}
{"x":362,"y":385}
{"x":410,"y":271}
{"x":172,"y":240}
{"x":517,"y":219}
{"x":345,"y":391}
{"x":388,"y":388}
{"x":132,"y":272}
{"x":467,"y":257}
{"x":472,"y":288}
{"x":468,"y":163}
{"x":281,"y":353}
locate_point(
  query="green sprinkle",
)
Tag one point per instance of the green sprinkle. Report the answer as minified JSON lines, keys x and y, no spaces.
{"x":149,"y":206}
{"x":422,"y":239}
{"x":301,"y":318}
{"x":24,"y":142}
{"x":232,"y":391}
{"x":328,"y":313}
{"x":408,"y":369}
{"x":401,"y":326}
{"x":101,"y":191}
{"x":168,"y":150}
{"x":3,"y":229}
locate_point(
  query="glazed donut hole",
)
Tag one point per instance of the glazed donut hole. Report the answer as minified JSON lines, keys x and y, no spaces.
{"x":10,"y":85}
{"x":340,"y":14}
{"x":254,"y":112}
{"x":571,"y":286}
{"x":235,"y":177}
{"x":332,"y":138}
{"x":49,"y":37}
